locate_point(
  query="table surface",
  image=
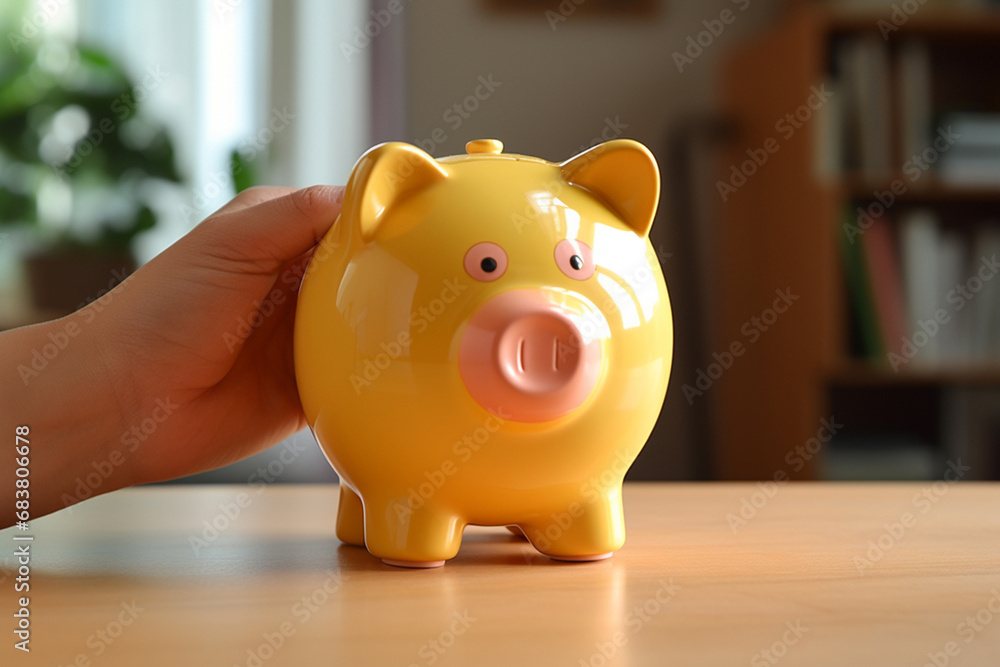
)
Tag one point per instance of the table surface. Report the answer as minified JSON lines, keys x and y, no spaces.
{"x":711,"y":574}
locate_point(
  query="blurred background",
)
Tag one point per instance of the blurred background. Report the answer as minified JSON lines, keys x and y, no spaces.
{"x":829,"y":226}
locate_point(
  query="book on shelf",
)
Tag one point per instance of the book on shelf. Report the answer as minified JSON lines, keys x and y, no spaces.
{"x":970,"y":170}
{"x":830,"y":134}
{"x":919,"y":239}
{"x":875,"y":87}
{"x":953,"y":267}
{"x":882,"y":260}
{"x":913,"y":77}
{"x":863,"y":79}
{"x":974,"y":131}
{"x":985,"y":318}
{"x":863,"y":307}
{"x":921,"y":294}
{"x":974,"y":158}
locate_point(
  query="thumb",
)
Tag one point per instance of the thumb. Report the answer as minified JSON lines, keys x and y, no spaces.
{"x":275,"y":231}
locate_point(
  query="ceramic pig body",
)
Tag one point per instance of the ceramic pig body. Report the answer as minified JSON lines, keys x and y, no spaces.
{"x":486,"y":339}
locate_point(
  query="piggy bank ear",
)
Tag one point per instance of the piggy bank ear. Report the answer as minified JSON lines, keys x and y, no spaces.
{"x":382,"y":177}
{"x":623,"y":175}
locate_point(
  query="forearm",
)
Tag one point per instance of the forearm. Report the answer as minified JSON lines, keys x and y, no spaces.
{"x":55,"y":381}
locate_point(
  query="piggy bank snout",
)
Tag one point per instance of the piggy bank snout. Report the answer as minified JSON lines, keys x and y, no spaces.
{"x":527,"y":357}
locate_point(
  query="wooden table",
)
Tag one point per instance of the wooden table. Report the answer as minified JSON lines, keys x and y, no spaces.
{"x":845,"y":574}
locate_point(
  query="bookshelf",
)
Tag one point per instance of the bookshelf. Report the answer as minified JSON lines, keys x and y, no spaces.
{"x":862,"y":374}
{"x":853,"y":188}
{"x":782,"y":228}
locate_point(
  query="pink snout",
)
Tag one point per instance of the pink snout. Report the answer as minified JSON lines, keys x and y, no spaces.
{"x":524,"y":357}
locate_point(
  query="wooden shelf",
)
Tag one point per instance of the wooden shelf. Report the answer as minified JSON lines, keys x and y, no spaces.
{"x":866,"y":374}
{"x":929,"y":191}
{"x":927,"y":22}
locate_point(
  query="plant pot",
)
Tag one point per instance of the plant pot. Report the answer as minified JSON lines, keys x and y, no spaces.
{"x":61,"y":281}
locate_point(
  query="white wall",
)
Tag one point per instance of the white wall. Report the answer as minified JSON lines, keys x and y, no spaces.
{"x":327,"y":92}
{"x":560,"y":84}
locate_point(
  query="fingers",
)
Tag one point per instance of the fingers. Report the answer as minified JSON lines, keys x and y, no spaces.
{"x":276,"y":230}
{"x":253,"y":196}
{"x":272,"y":338}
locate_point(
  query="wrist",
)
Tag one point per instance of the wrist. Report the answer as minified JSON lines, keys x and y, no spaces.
{"x":62,"y":390}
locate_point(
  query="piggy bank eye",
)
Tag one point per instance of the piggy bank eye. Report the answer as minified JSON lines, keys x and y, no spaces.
{"x":575,"y":259}
{"x":485,"y":261}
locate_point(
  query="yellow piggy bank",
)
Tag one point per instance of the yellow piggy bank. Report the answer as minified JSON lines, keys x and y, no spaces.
{"x":486,"y":339}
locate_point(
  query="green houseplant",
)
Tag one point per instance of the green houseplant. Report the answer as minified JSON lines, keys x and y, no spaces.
{"x":79,"y":164}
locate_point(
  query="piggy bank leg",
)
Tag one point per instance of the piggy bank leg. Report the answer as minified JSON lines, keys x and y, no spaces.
{"x":516,"y":530}
{"x":580,"y":530}
{"x":350,"y":518}
{"x":406,"y":537}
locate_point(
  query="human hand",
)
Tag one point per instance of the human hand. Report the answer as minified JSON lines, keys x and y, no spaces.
{"x":187,"y":365}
